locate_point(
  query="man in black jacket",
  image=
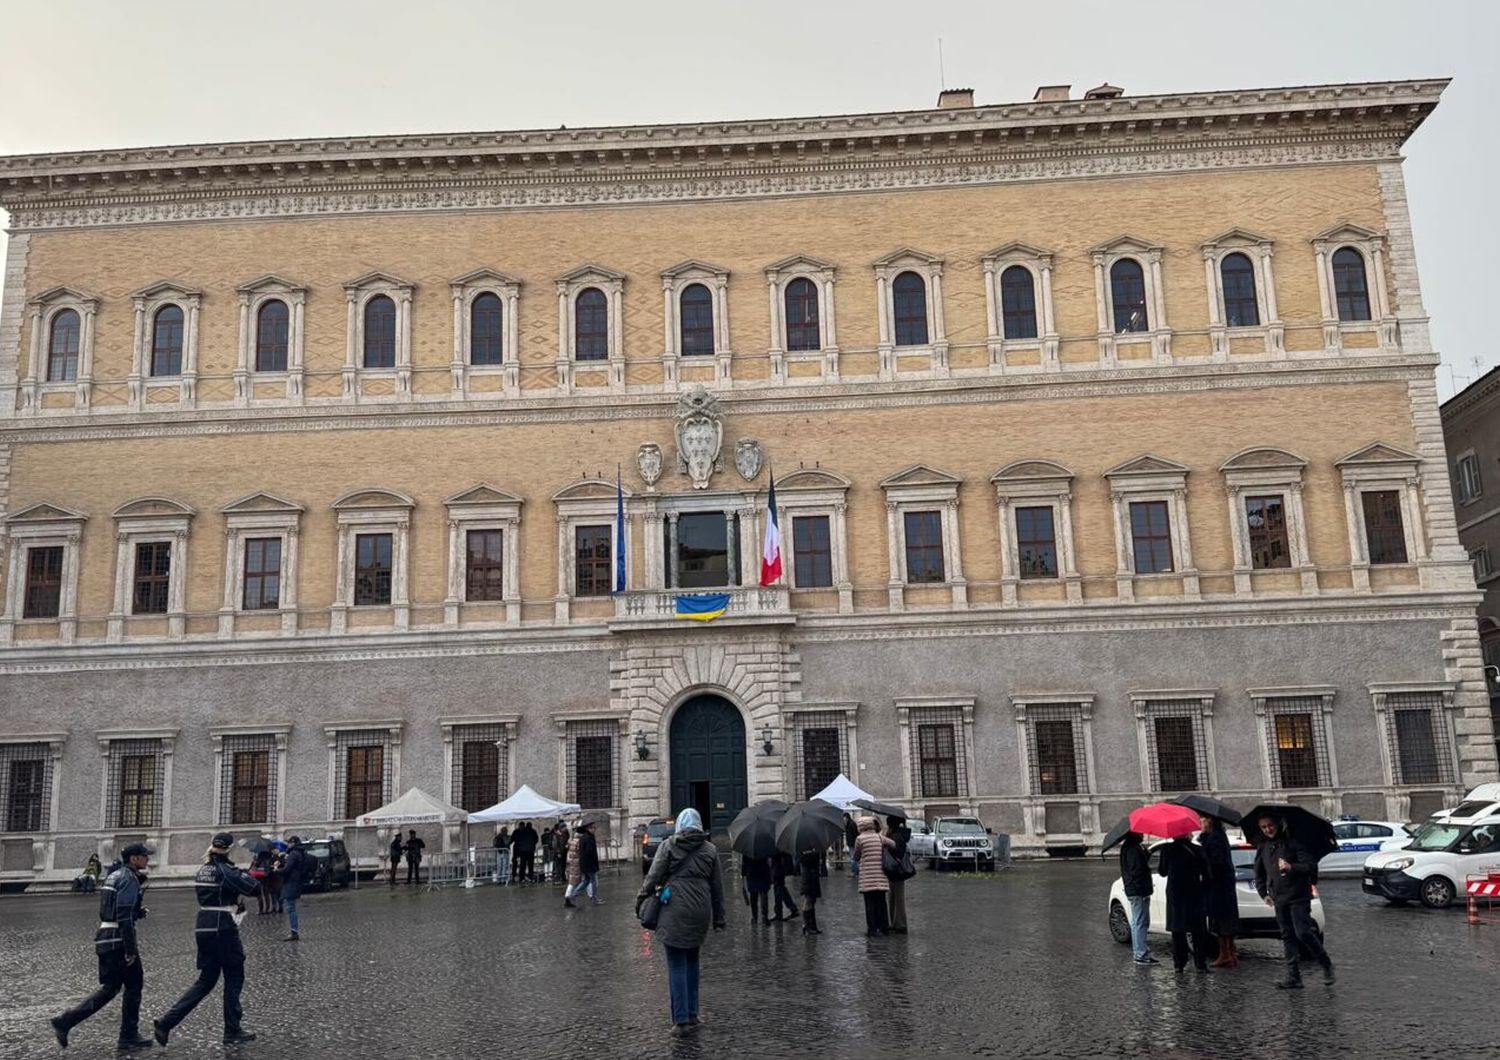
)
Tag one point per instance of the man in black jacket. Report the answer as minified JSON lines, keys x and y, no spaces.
{"x":296,"y":867}
{"x":414,"y":848}
{"x":1284,"y":874}
{"x":1135,"y":875}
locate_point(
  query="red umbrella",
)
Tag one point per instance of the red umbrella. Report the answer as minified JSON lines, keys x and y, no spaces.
{"x":1164,"y":819}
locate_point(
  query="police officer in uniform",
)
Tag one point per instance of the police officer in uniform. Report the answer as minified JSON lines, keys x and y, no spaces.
{"x":221,"y":889}
{"x":114,"y":942}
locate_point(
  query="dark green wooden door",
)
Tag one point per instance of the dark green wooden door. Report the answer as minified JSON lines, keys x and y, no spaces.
{"x":707,"y":739}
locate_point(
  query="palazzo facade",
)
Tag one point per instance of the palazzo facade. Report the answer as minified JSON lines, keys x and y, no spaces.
{"x":1105,"y":437}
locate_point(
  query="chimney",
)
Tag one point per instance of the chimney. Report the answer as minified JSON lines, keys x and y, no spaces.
{"x":955,"y":98}
{"x":1104,"y":91}
{"x":1052,"y":94}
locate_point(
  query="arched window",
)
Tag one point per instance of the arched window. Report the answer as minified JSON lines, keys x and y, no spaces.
{"x":1241,"y":310}
{"x":802,"y":330}
{"x":380,"y":332}
{"x":62,"y":350}
{"x":909,"y":295}
{"x":1018,"y":302}
{"x":1349,"y":284}
{"x":166,"y":341}
{"x":591,"y":325}
{"x":486,"y":346}
{"x":697,"y":323}
{"x":272,"y":328}
{"x":1127,"y":286}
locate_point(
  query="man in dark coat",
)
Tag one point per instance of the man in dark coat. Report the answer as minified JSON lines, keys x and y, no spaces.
{"x":851,"y":833}
{"x":559,"y":852}
{"x":414,"y":848}
{"x":1221,"y":901}
{"x":588,"y":862}
{"x":396,"y":849}
{"x":810,"y":861}
{"x":524,"y":842}
{"x":1284,"y":874}
{"x":115,"y":946}
{"x":221,"y":889}
{"x":296,"y":867}
{"x":1183,"y":866}
{"x":783,"y":866}
{"x":1135,"y":875}
{"x":502,"y":855}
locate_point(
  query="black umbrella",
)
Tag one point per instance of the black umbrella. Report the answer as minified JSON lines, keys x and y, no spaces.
{"x":753,"y":830}
{"x":1307,"y":828}
{"x":258,"y":845}
{"x":1116,"y":834}
{"x":813,"y":824}
{"x":885,"y":809}
{"x":1209,"y":807}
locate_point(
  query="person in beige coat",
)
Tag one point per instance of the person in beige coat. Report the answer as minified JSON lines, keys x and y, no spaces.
{"x":869,"y":847}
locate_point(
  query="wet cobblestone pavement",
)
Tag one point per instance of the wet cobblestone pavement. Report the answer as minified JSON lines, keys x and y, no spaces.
{"x":1018,"y":965}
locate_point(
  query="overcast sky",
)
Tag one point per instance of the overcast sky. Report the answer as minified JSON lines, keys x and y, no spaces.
{"x":107,"y":74}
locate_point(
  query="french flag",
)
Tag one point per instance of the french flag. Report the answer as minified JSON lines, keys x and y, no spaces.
{"x":770,"y":554}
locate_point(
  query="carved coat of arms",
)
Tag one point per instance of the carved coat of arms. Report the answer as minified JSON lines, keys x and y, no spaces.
{"x":648,"y":461}
{"x":748,"y":458}
{"x":700,"y":435}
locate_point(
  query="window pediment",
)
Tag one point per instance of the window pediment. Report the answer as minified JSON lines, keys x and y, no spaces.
{"x":907,"y":256}
{"x":1147,"y":464}
{"x":1016,"y":251}
{"x":920,"y":475}
{"x":1026,"y":471}
{"x":272,"y":282}
{"x":44,"y":513}
{"x":373,"y":499}
{"x":589,"y":489}
{"x":258,"y":503}
{"x":696,"y":268}
{"x":812,"y":479}
{"x":377,"y":279}
{"x":590,"y":273}
{"x":800,"y":263}
{"x":1236,"y":237}
{"x":1346,"y":232}
{"x":153,"y":508}
{"x":167,"y":290}
{"x":482,"y":276}
{"x":1263,"y":458}
{"x":482,"y":494}
{"x":64,"y":293}
{"x":1125,"y":245}
{"x":1378,"y":455}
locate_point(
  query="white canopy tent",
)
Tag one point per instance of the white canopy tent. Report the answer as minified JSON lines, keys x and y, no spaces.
{"x":414,"y":806}
{"x":524,"y":805}
{"x":842,"y":792}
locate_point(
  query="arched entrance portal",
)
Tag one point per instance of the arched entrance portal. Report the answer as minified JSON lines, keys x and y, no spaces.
{"x":707,"y":739}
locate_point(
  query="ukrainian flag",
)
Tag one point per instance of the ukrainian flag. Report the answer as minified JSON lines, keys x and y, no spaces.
{"x":702,"y":607}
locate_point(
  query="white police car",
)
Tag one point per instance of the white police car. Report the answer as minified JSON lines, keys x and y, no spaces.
{"x":1358,"y":840}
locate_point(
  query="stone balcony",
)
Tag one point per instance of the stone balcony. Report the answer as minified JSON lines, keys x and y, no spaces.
{"x":658,"y":607}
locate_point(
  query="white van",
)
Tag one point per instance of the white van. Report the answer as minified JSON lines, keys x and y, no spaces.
{"x":1447,"y":850}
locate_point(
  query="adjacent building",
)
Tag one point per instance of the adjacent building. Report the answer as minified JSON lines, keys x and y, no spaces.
{"x":1104,"y":434}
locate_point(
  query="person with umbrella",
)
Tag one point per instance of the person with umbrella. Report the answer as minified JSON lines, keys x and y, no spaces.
{"x":1183,"y":865}
{"x":756,"y":872}
{"x":810,"y":864}
{"x":874,"y":884}
{"x":1221,"y":905}
{"x":1286,"y":866}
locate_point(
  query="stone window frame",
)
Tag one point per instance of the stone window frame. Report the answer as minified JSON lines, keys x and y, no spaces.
{"x":280,"y":731}
{"x":1372,"y":249}
{"x":587,"y":502}
{"x":1159,"y":333}
{"x":483,"y":507}
{"x":964,"y":706}
{"x":149,"y":301}
{"x":54,"y":742}
{"x":393,"y":729}
{"x":1149,"y":477}
{"x":167,"y":738}
{"x":253,"y":295}
{"x":357,"y":294}
{"x":822,"y":274}
{"x":673,"y":282}
{"x":1259,"y":250}
{"x":569,"y":285}
{"x":140,"y":521}
{"x":373,"y":510}
{"x":817,"y":491}
{"x":1373,"y":468}
{"x":1047,"y":343}
{"x":41,"y":525}
{"x":1036,"y":483}
{"x":921,"y":487}
{"x":1322,"y":730}
{"x":792,"y":730}
{"x":1444,"y":715}
{"x":464,"y":290}
{"x":1462,"y":495}
{"x":260,"y":515}
{"x":567,"y":734}
{"x":448,"y":725}
{"x":1034,"y":804}
{"x":1263,"y":471}
{"x":42,"y":310}
{"x":659,"y":527}
{"x":930,"y":268}
{"x":1195,"y":703}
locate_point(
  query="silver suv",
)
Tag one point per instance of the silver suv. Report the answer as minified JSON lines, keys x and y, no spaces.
{"x":962,"y":841}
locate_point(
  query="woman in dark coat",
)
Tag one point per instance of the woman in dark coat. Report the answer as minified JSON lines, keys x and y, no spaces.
{"x":810,"y":865}
{"x":757,"y":874}
{"x":1221,"y":906}
{"x":1183,"y":865}
{"x":687,"y":865}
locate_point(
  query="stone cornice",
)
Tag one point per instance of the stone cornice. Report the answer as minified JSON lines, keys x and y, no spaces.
{"x":741,"y":159}
{"x":1479,"y":395}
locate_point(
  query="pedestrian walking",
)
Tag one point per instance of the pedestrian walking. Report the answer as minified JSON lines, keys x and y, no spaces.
{"x":397,"y":847}
{"x":502,"y":855}
{"x":874,"y":886}
{"x":583,"y":866}
{"x":810,"y":861}
{"x":221,"y":889}
{"x":900,"y":837}
{"x":686,"y":871}
{"x":851,"y":833}
{"x":115,"y":947}
{"x":414,"y":848}
{"x":1284,"y":875}
{"x":260,"y":872}
{"x":756,"y":873}
{"x":1183,"y":865}
{"x":296,"y":867}
{"x":1221,"y":905}
{"x":559,"y":850}
{"x":524,"y":842}
{"x":782,"y":866}
{"x":1135,"y":875}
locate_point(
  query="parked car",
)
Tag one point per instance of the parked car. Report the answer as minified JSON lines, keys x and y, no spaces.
{"x":651,"y":838}
{"x":1444,"y":853}
{"x":961,"y":841}
{"x":331,"y":866}
{"x":1358,"y":840}
{"x":923,"y":843}
{"x":1257,"y":920}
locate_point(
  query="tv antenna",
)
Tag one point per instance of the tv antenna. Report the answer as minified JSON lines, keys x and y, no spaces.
{"x":942,"y":76}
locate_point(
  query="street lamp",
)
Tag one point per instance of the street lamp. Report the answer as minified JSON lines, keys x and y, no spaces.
{"x":641,"y":750}
{"x":765,"y":739}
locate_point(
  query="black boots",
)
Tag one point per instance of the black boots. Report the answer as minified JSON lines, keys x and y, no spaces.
{"x":135,"y":1041}
{"x":237,"y":1035}
{"x":1327,"y":971}
{"x":60,"y":1029}
{"x":160,"y":1033}
{"x":810,"y":923}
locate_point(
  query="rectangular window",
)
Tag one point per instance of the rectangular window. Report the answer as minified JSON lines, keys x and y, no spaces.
{"x":262,"y":588}
{"x":27,"y":785}
{"x":139,"y":806}
{"x":364,"y":779}
{"x":937,"y":761}
{"x":1266,"y":520}
{"x":484,"y":577}
{"x":1480,"y":558}
{"x":372,"y":569}
{"x":1470,"y":486}
{"x":1056,"y":759}
{"x":1296,"y":751}
{"x":250,"y":799}
{"x":821,"y":759}
{"x":703,"y":559}
{"x":924,"y":547}
{"x":1421,"y":752}
{"x":593,"y":748}
{"x":1151,"y":537}
{"x":592,"y":573}
{"x":1383,"y":530}
{"x":812,"y":554}
{"x":153,"y":578}
{"x":44,"y":567}
{"x":1176,"y":761}
{"x":481,"y":764}
{"x":1036,"y":542}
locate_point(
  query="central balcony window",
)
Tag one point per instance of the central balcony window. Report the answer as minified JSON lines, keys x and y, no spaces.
{"x":702,"y":550}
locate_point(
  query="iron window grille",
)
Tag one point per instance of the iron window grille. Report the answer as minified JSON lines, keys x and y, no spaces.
{"x":153,"y":578}
{"x":484,"y":574}
{"x":1241,"y":309}
{"x":820,"y":749}
{"x":372,"y":569}
{"x":1151,"y":537}
{"x":1265,"y":519}
{"x":486,"y":333}
{"x":380,"y":333}
{"x":25,"y":786}
{"x":479,"y":776}
{"x":272,"y":326}
{"x":1018,"y":302}
{"x":697,"y":320}
{"x":262,"y":582}
{"x":1176,"y":747}
{"x":591,"y":325}
{"x":909,"y":293}
{"x":362,"y":771}
{"x":137,"y":775}
{"x":1418,"y":733}
{"x":1056,"y":755}
{"x":924,"y":547}
{"x":1383,"y":530}
{"x":1127,"y":287}
{"x":812,"y":552}
{"x":166,"y":341}
{"x":938,"y":755}
{"x":802,"y":327}
{"x":62,"y":351}
{"x":591,"y":562}
{"x":44,"y":567}
{"x":593,"y":763}
{"x":1036,"y":542}
{"x":1350,"y":285}
{"x":247,"y":779}
{"x":1297,"y":744}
